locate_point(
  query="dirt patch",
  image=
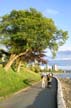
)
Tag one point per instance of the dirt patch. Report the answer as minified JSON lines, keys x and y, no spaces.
{"x":66,"y":87}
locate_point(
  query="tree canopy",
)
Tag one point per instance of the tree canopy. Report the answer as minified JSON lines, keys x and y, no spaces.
{"x":22,"y":30}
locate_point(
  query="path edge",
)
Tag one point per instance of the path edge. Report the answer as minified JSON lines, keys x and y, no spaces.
{"x":60,"y":99}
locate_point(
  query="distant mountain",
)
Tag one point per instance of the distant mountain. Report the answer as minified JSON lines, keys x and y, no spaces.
{"x":63,"y":54}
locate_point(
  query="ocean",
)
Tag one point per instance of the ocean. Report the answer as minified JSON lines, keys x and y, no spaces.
{"x":63,"y":75}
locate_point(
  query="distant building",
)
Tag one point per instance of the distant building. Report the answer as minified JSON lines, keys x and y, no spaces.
{"x":55,"y":67}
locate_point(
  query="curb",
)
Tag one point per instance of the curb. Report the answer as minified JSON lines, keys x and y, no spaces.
{"x":60,"y":99}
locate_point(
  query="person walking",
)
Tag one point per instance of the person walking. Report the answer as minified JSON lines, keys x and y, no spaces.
{"x":49,"y":78}
{"x":44,"y":80}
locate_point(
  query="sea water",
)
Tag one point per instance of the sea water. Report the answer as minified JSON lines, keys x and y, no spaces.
{"x":63,"y":75}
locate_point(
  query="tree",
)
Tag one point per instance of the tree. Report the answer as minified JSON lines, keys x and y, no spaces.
{"x":24,"y":31}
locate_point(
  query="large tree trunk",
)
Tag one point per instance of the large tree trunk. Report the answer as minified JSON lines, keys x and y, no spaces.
{"x":10,"y":62}
{"x":13,"y":57}
{"x":19,"y":66}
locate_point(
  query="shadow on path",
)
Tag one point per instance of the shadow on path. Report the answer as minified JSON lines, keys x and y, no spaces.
{"x":47,"y":98}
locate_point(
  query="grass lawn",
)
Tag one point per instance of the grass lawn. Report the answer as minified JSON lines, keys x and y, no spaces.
{"x":11,"y":81}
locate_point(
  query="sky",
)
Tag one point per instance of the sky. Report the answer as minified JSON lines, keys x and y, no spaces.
{"x":58,"y":10}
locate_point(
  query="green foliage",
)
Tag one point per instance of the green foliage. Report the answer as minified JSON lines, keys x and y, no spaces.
{"x":35,"y":68}
{"x":29,"y":29}
{"x":59,"y":71}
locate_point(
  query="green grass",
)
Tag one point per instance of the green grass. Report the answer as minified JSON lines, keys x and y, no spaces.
{"x":11,"y":81}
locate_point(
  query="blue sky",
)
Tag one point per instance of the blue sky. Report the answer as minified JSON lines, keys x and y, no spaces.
{"x":58,"y":10}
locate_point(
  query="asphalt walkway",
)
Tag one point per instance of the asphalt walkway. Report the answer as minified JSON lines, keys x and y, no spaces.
{"x":34,"y":97}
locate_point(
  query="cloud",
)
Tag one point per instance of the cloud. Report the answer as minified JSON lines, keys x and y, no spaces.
{"x":50,"y":12}
{"x":65,"y":48}
{"x":65,"y":58}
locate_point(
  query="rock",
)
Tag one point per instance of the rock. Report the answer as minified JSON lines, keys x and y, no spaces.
{"x":66,"y":86}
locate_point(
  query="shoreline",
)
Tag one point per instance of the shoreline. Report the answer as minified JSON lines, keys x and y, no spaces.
{"x":66,"y":87}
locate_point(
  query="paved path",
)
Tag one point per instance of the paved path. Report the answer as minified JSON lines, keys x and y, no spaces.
{"x":34,"y":97}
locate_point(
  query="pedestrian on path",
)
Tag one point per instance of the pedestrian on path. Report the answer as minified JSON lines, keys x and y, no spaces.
{"x":44,"y":79}
{"x":49,"y":79}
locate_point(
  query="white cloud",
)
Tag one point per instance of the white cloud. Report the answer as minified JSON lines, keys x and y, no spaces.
{"x":64,"y":48}
{"x":56,"y":59}
{"x":50,"y":11}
